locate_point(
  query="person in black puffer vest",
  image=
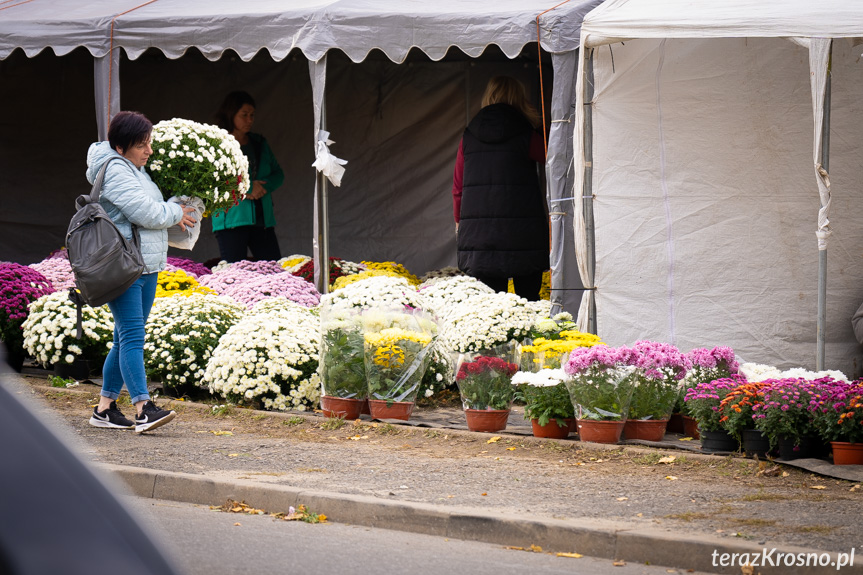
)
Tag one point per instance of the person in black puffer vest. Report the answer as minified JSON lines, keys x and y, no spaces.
{"x":499,"y":208}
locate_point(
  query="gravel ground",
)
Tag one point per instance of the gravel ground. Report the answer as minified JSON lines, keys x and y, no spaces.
{"x":718,"y":496}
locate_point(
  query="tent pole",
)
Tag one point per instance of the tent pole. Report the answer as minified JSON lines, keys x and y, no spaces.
{"x":587,"y":193}
{"x":324,"y":214}
{"x":822,"y":254}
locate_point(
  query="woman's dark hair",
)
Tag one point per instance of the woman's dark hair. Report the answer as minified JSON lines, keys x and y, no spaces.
{"x":229,"y":108}
{"x":128,"y":129}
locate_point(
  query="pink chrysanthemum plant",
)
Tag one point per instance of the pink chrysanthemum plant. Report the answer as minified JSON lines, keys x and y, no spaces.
{"x":702,"y":401}
{"x":657,"y":385}
{"x":706,"y":365}
{"x":838,"y":411}
{"x":601,"y":381}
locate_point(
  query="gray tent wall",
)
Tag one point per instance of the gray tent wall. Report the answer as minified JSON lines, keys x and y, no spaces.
{"x":394,"y":201}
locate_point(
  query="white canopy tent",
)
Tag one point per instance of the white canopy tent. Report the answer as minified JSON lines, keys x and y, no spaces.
{"x":707,"y":212}
{"x":316,"y":28}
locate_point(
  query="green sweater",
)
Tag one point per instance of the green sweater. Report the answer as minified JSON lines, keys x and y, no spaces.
{"x":243,"y":214}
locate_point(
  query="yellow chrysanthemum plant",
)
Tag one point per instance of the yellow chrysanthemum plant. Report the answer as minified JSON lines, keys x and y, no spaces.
{"x":550,"y":342}
{"x":398,"y":345}
{"x":178,"y":282}
{"x":393,"y":268}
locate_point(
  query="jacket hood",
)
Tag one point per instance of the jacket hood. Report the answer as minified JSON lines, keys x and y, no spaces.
{"x":497,"y":123}
{"x":97,"y":155}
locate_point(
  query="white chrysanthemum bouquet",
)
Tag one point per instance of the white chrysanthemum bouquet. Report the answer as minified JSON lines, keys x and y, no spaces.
{"x":199,"y":161}
{"x":182,"y":332}
{"x":50,"y":329}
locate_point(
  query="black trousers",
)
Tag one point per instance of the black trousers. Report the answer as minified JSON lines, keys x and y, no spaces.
{"x":526,"y":286}
{"x":235,"y":243}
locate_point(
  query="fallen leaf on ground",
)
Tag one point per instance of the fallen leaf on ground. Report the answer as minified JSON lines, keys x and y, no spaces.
{"x":214,"y":432}
{"x":494,"y":439}
{"x":510,"y":448}
{"x":572,"y":555}
{"x":358,"y":437}
{"x":774,"y":471}
{"x":855,"y":487}
{"x":622,"y":498}
{"x":667,"y":459}
{"x":670,"y":477}
{"x":619,"y":563}
{"x":747,"y":570}
{"x":233,"y":455}
{"x":685,"y":439}
{"x":483,"y":493}
{"x":817,"y":487}
{"x":238,"y":524}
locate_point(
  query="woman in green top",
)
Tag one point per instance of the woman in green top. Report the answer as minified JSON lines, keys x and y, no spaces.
{"x":250,"y":225}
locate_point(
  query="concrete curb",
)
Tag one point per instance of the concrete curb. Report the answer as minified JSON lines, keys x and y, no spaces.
{"x":595,"y":538}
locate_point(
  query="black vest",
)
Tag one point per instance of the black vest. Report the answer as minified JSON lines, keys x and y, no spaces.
{"x":503,"y":227}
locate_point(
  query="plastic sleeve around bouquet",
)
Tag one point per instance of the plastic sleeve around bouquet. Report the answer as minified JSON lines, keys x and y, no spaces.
{"x":484,"y":377}
{"x":602,"y":393}
{"x":398,"y":346}
{"x":186,"y":239}
{"x":342,"y":365}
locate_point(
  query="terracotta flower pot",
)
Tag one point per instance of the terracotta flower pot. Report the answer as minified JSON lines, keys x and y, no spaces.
{"x":341,"y":407}
{"x":646,"y":429}
{"x":845,"y":453}
{"x":550,"y":430}
{"x":396,"y":410}
{"x":599,"y":431}
{"x":690,"y":427}
{"x":487,"y":420}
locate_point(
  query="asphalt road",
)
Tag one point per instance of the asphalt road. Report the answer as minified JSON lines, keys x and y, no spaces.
{"x":206,"y":542}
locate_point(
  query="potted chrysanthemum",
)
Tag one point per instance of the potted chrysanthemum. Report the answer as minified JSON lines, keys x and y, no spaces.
{"x":269,"y":358}
{"x":705,"y":365}
{"x":546,"y":401}
{"x":181,"y":333}
{"x":19,"y":286}
{"x":397,"y":345}
{"x":657,"y":387}
{"x":50,"y":335}
{"x":600,"y":387}
{"x":702,"y":401}
{"x":198,"y":165}
{"x":342,"y":364}
{"x":838,"y":416}
{"x":484,"y":380}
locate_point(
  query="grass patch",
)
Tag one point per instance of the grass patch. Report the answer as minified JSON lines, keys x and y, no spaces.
{"x":754,"y":522}
{"x":333,"y":423}
{"x":387,"y":429}
{"x":259,"y":417}
{"x":222,"y":410}
{"x":762,"y":496}
{"x":57,"y":381}
{"x":821,"y":529}
{"x":312,"y":470}
{"x":689,"y":516}
{"x":294,"y":420}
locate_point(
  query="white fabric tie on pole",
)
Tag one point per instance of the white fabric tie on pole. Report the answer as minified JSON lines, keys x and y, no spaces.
{"x":819,"y":58}
{"x":325,"y":162}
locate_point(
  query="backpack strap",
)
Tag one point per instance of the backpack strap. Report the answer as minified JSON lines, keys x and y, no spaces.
{"x":75,"y":297}
{"x":96,"y":192}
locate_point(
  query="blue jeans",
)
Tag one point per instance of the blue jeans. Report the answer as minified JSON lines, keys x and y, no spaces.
{"x":125,"y":361}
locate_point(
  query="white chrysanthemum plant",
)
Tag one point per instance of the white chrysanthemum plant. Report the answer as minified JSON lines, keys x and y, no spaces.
{"x":487,"y":320}
{"x":372,"y":292}
{"x":181,"y":333}
{"x":50,"y":330}
{"x":755,"y":372}
{"x":269,"y":358}
{"x":198,"y":165}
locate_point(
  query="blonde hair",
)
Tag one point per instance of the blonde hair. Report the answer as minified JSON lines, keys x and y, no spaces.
{"x":508,"y":90}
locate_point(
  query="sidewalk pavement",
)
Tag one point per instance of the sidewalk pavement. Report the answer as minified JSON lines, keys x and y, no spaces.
{"x":615,"y":540}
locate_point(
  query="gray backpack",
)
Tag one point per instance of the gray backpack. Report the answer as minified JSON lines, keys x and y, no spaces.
{"x":104,"y":262}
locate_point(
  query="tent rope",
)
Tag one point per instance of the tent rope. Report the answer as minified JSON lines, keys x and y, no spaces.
{"x":13,"y":5}
{"x":111,"y":53}
{"x":541,"y":87}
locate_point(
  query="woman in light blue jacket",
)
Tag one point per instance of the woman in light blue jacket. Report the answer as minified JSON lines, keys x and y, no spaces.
{"x":130,"y":197}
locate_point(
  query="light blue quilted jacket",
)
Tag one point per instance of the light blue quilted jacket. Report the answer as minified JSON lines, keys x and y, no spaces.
{"x":129,"y":195}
